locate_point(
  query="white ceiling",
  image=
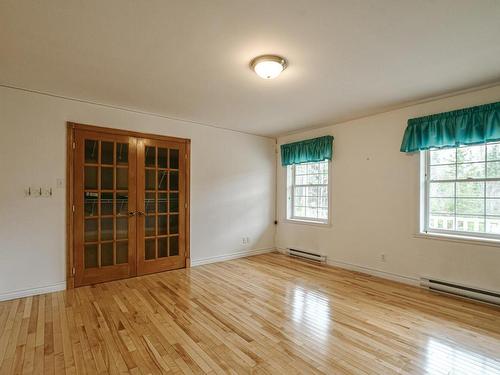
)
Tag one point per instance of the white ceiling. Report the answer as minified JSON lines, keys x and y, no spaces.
{"x":189,"y":59}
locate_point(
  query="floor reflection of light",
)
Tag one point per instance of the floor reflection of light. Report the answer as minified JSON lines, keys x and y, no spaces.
{"x":312,"y":309}
{"x":447,"y":359}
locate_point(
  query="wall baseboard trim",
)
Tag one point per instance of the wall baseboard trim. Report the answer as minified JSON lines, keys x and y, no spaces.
{"x":220,"y":258}
{"x":194,"y":262}
{"x":235,"y":255}
{"x":375,"y":272}
{"x":369,"y":271}
{"x":33,"y":291}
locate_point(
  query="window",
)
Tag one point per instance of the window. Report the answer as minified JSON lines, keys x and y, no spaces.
{"x":308,"y":192}
{"x":462,"y":191}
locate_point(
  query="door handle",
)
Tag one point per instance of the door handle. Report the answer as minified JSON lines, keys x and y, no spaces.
{"x":140,"y":213}
{"x":131,"y":213}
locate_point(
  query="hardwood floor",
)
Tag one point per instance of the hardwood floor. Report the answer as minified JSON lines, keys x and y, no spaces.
{"x":267,"y":314}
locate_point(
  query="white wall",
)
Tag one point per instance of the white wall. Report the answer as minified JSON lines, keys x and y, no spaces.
{"x":232,"y":185}
{"x":232,"y":191}
{"x":375,"y":203}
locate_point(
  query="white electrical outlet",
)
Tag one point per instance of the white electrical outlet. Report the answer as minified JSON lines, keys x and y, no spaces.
{"x":383,"y":257}
{"x":59,"y":183}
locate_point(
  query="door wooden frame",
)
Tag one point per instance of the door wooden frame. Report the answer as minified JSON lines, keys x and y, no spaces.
{"x":70,"y":160}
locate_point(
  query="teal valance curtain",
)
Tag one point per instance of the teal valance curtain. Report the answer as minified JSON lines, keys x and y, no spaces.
{"x":451,"y":129}
{"x":310,"y":150}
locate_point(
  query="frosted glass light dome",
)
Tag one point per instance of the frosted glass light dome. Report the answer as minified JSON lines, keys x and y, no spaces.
{"x":268,"y":66}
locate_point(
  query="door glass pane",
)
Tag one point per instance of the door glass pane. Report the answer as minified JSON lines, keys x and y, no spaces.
{"x":121,"y":153}
{"x":90,"y":177}
{"x":150,"y":203}
{"x":150,"y":156}
{"x":107,"y":254}
{"x":162,"y":224}
{"x":91,"y":151}
{"x":106,"y":208}
{"x":121,"y":203}
{"x":106,"y":229}
{"x":121,"y":178}
{"x":162,"y":247}
{"x":150,"y":251}
{"x":90,"y":256}
{"x":106,"y":203}
{"x":90,"y":203}
{"x":174,"y":246}
{"x":121,"y":227}
{"x":174,"y":159}
{"x":162,"y":180}
{"x":122,"y":252}
{"x":162,"y":202}
{"x":150,"y":179}
{"x":90,"y":230}
{"x":174,"y":224}
{"x":107,"y":152}
{"x":106,"y":178}
{"x":162,"y":158}
{"x":150,"y":223}
{"x":174,"y":180}
{"x":174,"y":202}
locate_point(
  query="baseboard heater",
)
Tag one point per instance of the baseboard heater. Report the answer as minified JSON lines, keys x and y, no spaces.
{"x":307,"y":255}
{"x":461,"y":290}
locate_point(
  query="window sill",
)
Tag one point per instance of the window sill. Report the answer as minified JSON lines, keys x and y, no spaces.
{"x":457,"y":238}
{"x":308,"y":222}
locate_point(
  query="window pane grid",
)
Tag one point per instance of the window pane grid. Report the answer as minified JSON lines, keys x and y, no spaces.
{"x":463,"y":190}
{"x":309,"y":191}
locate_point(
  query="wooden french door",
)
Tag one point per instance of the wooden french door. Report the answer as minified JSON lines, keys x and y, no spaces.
{"x":161,"y":206}
{"x":129,"y":205}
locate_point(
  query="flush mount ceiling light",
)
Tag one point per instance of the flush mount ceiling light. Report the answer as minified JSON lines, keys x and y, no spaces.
{"x":268,"y":66}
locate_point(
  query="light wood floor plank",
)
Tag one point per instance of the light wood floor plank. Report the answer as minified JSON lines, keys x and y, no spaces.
{"x":268,"y":314}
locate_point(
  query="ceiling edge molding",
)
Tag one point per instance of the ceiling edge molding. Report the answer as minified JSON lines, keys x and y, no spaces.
{"x":132,"y":110}
{"x":276,"y":136}
{"x":395,"y":107}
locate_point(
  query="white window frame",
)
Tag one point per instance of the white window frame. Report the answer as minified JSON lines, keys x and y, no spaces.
{"x":424,"y":207}
{"x":289,"y":197}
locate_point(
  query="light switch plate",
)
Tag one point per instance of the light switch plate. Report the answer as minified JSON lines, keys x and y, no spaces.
{"x":35,"y":191}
